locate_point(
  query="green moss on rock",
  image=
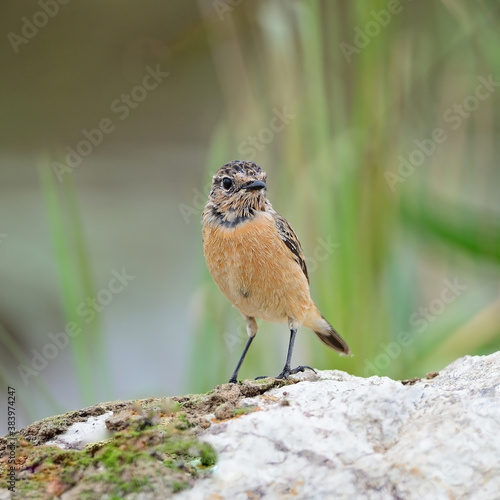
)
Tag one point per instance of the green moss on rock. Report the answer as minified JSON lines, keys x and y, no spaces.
{"x":160,"y":458}
{"x":154,"y":451}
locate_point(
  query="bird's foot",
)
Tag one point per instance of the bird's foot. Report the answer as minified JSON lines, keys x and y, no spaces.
{"x":287,"y":372}
{"x":233,"y":380}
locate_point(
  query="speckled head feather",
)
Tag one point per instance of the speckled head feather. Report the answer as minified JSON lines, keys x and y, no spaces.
{"x":247,"y":168}
{"x":238,"y":191}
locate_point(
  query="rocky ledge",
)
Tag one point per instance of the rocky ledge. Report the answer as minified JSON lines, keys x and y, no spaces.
{"x":329,"y":435}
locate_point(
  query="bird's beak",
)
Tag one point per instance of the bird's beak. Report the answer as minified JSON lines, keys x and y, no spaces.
{"x":255,"y":185}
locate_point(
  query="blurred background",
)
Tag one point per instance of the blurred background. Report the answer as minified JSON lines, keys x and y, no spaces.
{"x":376,"y":122}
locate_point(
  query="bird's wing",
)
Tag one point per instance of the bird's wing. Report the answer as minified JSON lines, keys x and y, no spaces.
{"x":289,"y":238}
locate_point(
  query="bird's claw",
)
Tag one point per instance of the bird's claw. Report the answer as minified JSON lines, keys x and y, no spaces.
{"x":287,"y":372}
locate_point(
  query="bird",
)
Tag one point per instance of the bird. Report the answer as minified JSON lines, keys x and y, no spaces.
{"x":257,"y":261}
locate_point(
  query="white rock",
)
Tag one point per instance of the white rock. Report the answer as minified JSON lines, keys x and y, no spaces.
{"x":346,"y":437}
{"x":79,"y":434}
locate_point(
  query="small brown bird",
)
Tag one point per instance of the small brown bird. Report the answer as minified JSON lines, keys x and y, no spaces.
{"x":256,"y":259}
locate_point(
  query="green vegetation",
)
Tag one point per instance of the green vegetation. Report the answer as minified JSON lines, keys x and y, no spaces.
{"x":386,"y":170}
{"x":75,"y":276}
{"x":243,"y":411}
{"x":143,"y":457}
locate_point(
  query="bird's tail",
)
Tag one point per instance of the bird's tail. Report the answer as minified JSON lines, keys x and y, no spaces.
{"x":326,"y":333}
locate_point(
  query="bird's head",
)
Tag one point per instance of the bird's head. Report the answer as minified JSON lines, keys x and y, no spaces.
{"x":238,"y":191}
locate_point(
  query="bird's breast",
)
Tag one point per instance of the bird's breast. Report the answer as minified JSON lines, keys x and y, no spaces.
{"x":255,"y":269}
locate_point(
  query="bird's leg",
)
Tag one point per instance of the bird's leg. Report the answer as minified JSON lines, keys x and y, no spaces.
{"x":286,"y":369}
{"x":252,"y":331}
{"x":234,"y":377}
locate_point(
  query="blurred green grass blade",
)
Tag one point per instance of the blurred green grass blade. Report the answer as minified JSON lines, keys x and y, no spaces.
{"x":71,"y":295}
{"x":69,"y":277}
{"x":466,"y":228}
{"x":217,"y":153}
{"x":94,"y":342}
{"x":466,"y":330}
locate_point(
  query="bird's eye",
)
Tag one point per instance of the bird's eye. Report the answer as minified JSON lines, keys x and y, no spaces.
{"x":227,"y":183}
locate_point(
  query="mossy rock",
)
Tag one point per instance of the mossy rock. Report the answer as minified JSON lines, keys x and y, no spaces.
{"x":154,"y":450}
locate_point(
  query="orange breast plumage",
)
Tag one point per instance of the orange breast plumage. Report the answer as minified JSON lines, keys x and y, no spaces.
{"x":256,"y":271}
